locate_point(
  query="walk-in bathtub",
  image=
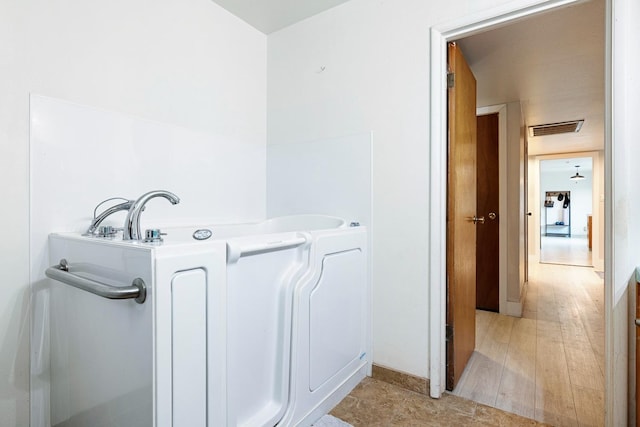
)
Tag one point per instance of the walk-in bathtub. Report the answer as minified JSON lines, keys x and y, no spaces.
{"x":242,"y":325}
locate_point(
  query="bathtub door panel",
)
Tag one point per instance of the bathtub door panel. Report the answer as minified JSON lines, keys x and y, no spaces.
{"x":330,"y":325}
{"x":336,"y":329}
{"x":189,"y":348}
{"x":101,"y":349}
{"x":259,"y":295}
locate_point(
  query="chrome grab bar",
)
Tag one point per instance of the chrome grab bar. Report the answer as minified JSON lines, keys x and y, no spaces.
{"x":61,"y":273}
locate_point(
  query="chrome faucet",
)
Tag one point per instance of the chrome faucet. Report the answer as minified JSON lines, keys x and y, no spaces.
{"x":132,"y":223}
{"x":97,"y":219}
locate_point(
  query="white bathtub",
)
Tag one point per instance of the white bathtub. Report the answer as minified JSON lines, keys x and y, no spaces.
{"x":283,"y":224}
{"x":257,"y":325}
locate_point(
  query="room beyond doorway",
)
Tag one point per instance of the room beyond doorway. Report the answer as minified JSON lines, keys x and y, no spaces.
{"x":566,"y":211}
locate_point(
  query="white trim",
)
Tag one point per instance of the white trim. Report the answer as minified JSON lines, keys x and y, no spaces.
{"x":501,"y":109}
{"x":513,"y":309}
{"x":598,"y":243}
{"x":440,"y":34}
{"x":609,"y":288}
{"x":438,"y":214}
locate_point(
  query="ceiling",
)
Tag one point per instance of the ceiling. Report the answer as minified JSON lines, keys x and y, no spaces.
{"x":273,"y":15}
{"x":567,"y":165}
{"x":554,"y":64}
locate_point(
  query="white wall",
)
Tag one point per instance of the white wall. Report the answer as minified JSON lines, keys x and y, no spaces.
{"x":364,"y":66}
{"x":189,"y":63}
{"x":533,"y":183}
{"x":515,"y":207}
{"x":598,"y":225}
{"x":624,"y":206}
{"x":329,"y":176}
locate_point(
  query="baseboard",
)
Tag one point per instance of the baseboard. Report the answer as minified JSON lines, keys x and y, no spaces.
{"x":401,"y":379}
{"x":598,"y":264}
{"x":514,"y":308}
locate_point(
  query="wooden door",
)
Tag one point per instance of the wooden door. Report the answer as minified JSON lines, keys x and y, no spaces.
{"x":461,"y":214}
{"x":488,"y":234}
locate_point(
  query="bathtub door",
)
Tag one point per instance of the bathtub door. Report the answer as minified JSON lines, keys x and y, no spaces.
{"x":260,"y":273}
{"x":336,"y":310}
{"x":330,"y":325}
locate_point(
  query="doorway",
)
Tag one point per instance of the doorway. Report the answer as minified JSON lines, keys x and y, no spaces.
{"x":438,"y":270}
{"x":567,"y":210}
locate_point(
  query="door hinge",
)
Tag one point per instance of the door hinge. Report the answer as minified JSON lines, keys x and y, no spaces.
{"x":451,"y":80}
{"x":448,"y":333}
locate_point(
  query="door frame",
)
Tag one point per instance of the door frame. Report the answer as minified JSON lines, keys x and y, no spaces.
{"x":440,"y":35}
{"x":596,"y":190}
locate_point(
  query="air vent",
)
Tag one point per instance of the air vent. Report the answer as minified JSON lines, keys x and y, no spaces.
{"x":556,"y":128}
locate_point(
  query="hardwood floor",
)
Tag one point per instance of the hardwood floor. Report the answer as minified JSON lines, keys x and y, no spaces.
{"x":565,"y":250}
{"x":549,"y":364}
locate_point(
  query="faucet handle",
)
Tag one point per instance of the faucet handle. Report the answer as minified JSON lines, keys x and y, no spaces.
{"x":153,"y":235}
{"x":107,"y":231}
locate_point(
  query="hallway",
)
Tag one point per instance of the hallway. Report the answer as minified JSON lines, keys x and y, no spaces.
{"x":549,"y":364}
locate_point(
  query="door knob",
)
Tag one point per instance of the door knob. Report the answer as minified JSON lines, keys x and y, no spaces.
{"x":477,"y":219}
{"x":492,"y":215}
{"x":528,"y":213}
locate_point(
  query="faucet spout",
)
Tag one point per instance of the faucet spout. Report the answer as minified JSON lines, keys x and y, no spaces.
{"x":97,"y":220}
{"x":132,"y":222}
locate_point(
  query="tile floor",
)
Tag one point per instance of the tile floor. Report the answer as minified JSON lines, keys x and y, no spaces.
{"x":375,"y":403}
